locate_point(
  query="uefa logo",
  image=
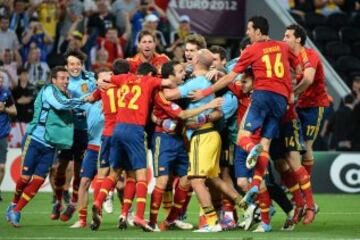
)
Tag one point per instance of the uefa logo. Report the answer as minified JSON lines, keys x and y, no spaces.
{"x":345,"y":173}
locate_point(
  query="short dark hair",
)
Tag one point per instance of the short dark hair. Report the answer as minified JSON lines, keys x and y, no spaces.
{"x":244,"y":43}
{"x":168,"y":69}
{"x":219,"y":50}
{"x":75,"y":53}
{"x":55,"y":70}
{"x":5,"y":16}
{"x":20,"y":70}
{"x":145,"y":69}
{"x":197,"y":40}
{"x":261,"y":23}
{"x":120,"y":66}
{"x":249,"y":72}
{"x":144,"y":33}
{"x":299,"y":32}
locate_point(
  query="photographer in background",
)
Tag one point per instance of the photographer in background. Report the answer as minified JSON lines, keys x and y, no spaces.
{"x":7,"y":109}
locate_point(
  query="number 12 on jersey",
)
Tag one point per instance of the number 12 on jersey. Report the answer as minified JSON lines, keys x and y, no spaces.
{"x":121,"y":94}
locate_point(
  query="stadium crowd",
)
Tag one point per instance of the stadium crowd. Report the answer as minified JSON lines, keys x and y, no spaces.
{"x":107,"y":75}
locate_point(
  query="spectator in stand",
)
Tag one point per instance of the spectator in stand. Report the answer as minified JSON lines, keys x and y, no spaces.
{"x":38,"y":70}
{"x":36,"y":36}
{"x":102,"y":20}
{"x":24,"y":95}
{"x":11,"y":63}
{"x":75,"y":41}
{"x":301,"y":7}
{"x":328,"y":7}
{"x":7,"y":109}
{"x":340,"y":125}
{"x":19,"y":18}
{"x":49,"y":14}
{"x":102,"y":61}
{"x":8,"y":81}
{"x":8,"y":39}
{"x":356,"y":89}
{"x":114,"y":44}
{"x":178,"y":53}
{"x":6,"y":7}
{"x":90,"y":7}
{"x":150,"y":24}
{"x":184,"y":30}
{"x":123,"y":9}
{"x":73,"y":20}
{"x":145,"y":8}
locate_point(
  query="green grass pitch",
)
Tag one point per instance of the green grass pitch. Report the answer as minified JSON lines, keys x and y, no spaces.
{"x":339,"y":218}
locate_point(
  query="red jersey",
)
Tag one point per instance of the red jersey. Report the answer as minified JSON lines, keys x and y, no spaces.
{"x":164,"y":109}
{"x":270,"y":62}
{"x":290,"y":114}
{"x":244,"y":103}
{"x":157,"y":61}
{"x":109,"y":100}
{"x":315,"y":95}
{"x":115,"y":50}
{"x":243,"y":99}
{"x":134,"y":97}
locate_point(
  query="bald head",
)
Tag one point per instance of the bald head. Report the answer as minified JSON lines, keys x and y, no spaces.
{"x":203,"y":58}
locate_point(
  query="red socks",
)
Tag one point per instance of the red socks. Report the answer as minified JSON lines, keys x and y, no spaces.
{"x":83,"y":214}
{"x":167,"y":200}
{"x":106,"y":186}
{"x":264,"y":203}
{"x":141,"y":192}
{"x":246,"y":143}
{"x":20,"y":186}
{"x":291,"y":183}
{"x":97,"y":185}
{"x":156,"y":198}
{"x":29,"y":192}
{"x":129,"y":194}
{"x":260,"y":168}
{"x":187,"y":201}
{"x":180,"y":198}
{"x":303,"y":179}
{"x":308,"y":165}
{"x":228,"y":204}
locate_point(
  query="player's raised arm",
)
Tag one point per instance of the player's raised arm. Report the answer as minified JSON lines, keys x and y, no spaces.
{"x":241,"y":66}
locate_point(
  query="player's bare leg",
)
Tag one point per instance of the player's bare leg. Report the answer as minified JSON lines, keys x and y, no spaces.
{"x":308,"y":157}
{"x":204,"y":198}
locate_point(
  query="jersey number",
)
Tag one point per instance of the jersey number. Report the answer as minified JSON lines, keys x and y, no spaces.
{"x":111,"y":94}
{"x":123,"y":91}
{"x":278,"y":66}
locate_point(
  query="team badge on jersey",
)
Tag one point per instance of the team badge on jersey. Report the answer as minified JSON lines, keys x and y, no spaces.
{"x":84,"y":88}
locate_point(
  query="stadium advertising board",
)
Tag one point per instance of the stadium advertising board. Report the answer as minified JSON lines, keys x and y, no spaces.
{"x":212,"y":17}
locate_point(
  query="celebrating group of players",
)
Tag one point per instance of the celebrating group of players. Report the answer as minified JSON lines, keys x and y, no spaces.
{"x":213,"y":126}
